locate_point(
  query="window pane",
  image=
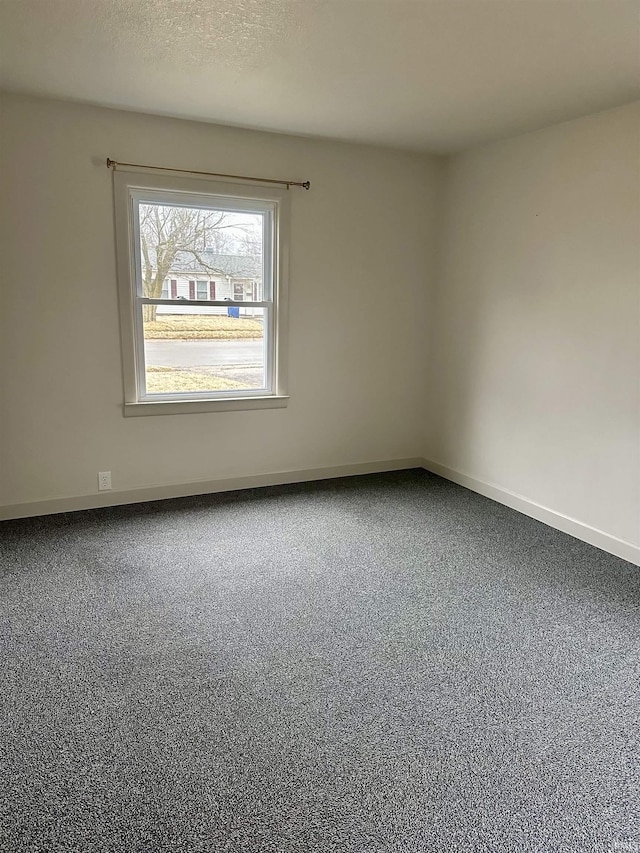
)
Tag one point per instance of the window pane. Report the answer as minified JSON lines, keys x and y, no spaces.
{"x":208,"y":349}
{"x":197,"y":252}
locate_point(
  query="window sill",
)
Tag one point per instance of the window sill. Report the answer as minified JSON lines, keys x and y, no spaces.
{"x":134,"y":410}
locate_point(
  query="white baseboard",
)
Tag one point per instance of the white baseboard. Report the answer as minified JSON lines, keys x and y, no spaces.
{"x":201,"y":487}
{"x":592,"y":535}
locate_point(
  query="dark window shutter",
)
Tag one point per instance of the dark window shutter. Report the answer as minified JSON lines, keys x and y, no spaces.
{"x":174,"y":288}
{"x":192,"y":290}
{"x":212,"y":290}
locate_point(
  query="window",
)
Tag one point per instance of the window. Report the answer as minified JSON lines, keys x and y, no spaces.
{"x":191,"y":343}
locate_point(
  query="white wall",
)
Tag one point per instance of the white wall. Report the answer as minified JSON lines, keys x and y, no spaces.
{"x":356,"y":359}
{"x":514,"y":346}
{"x":535,"y":358}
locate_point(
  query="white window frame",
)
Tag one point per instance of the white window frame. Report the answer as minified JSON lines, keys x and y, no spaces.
{"x":134,"y":187}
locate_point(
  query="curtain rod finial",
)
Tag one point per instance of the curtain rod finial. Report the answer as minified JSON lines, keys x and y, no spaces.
{"x":111,"y":164}
{"x":306,"y":185}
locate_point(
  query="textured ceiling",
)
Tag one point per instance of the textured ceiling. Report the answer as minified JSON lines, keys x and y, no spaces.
{"x":434,"y":75}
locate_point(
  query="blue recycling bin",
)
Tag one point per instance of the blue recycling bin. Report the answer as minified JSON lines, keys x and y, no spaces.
{"x":233,"y":311}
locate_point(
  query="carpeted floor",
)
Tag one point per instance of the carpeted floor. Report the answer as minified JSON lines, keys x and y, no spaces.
{"x":383,"y":663}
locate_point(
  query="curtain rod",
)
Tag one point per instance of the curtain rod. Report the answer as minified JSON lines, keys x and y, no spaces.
{"x":113,"y":164}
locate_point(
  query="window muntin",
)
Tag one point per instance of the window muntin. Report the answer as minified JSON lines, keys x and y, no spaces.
{"x":255,"y":382}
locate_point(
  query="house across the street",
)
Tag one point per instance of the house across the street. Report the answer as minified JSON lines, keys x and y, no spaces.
{"x":237,"y":278}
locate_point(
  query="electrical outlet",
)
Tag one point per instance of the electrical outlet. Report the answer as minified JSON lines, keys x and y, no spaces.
{"x":104,"y":480}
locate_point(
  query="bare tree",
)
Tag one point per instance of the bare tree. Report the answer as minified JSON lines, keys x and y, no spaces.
{"x":167,"y":233}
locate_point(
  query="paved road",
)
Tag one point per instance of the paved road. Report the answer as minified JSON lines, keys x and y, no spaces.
{"x":202,"y":353}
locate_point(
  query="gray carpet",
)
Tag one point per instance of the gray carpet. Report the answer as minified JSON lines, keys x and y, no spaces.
{"x":383,"y":663}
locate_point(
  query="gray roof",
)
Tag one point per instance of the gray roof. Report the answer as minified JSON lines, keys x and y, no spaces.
{"x":236,"y":266}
